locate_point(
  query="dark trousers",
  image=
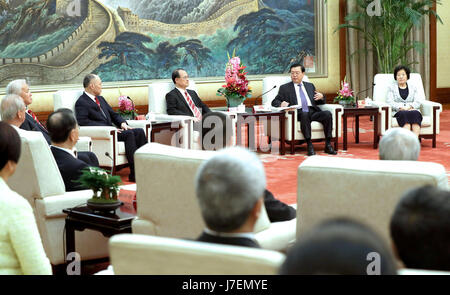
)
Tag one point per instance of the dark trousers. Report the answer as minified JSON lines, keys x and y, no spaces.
{"x":89,"y":158}
{"x":133,"y":139}
{"x":323,"y":117}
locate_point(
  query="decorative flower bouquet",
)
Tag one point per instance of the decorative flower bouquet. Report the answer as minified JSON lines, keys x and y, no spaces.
{"x":236,"y":90}
{"x":127,"y":109}
{"x":100,"y":181}
{"x":345,"y":95}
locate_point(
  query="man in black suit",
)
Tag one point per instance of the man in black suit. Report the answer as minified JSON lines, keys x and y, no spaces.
{"x":183,"y":101}
{"x":63,"y":130}
{"x":305,"y":95}
{"x":93,"y":110}
{"x":230,"y":188}
{"x":20,"y":87}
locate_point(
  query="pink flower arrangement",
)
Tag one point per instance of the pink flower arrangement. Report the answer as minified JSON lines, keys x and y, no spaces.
{"x":126,"y":106}
{"x":237,"y":84}
{"x":345,"y":93}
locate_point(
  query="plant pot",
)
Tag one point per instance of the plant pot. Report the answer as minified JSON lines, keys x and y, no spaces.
{"x":346,"y":103}
{"x":127,"y":116}
{"x":103,"y":205}
{"x":234,"y":101}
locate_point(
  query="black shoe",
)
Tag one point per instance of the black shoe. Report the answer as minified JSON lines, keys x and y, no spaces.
{"x":131,"y":178}
{"x":311,"y":151}
{"x":329,"y":149}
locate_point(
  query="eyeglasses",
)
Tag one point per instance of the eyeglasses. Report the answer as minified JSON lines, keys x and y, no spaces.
{"x":296,"y":73}
{"x":184,"y":78}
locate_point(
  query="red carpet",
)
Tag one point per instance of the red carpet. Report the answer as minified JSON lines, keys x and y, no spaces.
{"x":281,"y":171}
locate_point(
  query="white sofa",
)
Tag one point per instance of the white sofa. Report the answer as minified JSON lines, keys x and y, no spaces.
{"x":134,"y":254}
{"x":37,"y":179}
{"x":430,"y":110}
{"x":167,"y":205}
{"x":104,"y":138}
{"x":366,"y":190}
{"x":293,"y":130}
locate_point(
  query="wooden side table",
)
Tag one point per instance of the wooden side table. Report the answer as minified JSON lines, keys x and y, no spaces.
{"x":109,"y":224}
{"x":264,"y":117}
{"x":358,"y":112}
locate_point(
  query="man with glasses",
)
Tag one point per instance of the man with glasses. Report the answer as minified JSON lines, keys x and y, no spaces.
{"x":304,"y":95}
{"x":183,"y":101}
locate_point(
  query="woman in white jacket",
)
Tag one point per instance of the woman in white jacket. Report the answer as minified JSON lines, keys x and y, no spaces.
{"x":21,"y":250}
{"x":404,"y":101}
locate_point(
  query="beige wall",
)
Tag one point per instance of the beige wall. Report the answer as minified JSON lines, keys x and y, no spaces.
{"x":43,"y":96}
{"x":443,"y":46}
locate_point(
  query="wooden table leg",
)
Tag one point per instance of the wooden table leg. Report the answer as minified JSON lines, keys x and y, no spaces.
{"x":70,"y":239}
{"x":282,"y":134}
{"x":356,"y":128}
{"x":345,"y":132}
{"x":375,"y":131}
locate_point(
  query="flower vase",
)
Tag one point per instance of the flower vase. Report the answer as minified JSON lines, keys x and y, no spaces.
{"x":346,"y":103}
{"x":234,"y":101}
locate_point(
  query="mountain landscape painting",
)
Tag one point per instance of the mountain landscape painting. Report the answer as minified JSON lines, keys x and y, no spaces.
{"x":57,"y":41}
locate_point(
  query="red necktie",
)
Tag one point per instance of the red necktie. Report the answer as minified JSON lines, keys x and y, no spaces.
{"x":35,"y":118}
{"x":97,"y":101}
{"x":197,"y":113}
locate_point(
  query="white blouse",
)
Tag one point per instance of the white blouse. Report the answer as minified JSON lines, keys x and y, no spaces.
{"x":21,"y":250}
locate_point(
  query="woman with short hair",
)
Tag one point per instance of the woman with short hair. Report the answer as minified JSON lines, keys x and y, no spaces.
{"x":21,"y":250}
{"x":404,"y":100}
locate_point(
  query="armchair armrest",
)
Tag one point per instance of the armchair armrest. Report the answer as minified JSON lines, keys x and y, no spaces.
{"x":97,"y":132}
{"x":336,"y":111}
{"x":144,"y":124}
{"x":84,"y":144}
{"x":385,"y":111}
{"x":428,"y":106}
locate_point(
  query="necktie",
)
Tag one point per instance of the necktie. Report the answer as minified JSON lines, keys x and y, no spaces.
{"x":35,"y":118}
{"x":98,"y":103}
{"x":305,"y":107}
{"x":197,"y":113}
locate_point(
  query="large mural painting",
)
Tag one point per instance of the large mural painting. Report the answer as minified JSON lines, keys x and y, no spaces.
{"x":60,"y":41}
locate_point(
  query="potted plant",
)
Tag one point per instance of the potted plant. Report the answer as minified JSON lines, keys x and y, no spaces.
{"x":387,"y":29}
{"x":127,"y":109}
{"x":104,"y":186}
{"x":237,"y":89}
{"x":345,"y":95}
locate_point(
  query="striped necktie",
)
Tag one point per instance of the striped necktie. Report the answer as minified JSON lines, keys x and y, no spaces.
{"x":194,"y":109}
{"x":35,"y":118}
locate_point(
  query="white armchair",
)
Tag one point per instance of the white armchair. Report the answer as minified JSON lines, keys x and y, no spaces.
{"x":167,"y":204}
{"x":366,"y":190}
{"x":134,"y":254}
{"x":430,"y":110}
{"x":104,"y":138}
{"x":293,"y":131}
{"x":37,"y":178}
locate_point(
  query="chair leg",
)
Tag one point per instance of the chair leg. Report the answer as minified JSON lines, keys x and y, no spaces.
{"x":434,"y":140}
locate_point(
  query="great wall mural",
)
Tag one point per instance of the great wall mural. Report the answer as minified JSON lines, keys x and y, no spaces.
{"x":60,"y":41}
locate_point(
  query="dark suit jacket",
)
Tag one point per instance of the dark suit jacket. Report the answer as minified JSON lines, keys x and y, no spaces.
{"x":287,"y":93}
{"x":277,"y":210}
{"x":31,"y":125}
{"x":88,"y":113}
{"x":70,"y":168}
{"x":177,"y":105}
{"x":204,"y":237}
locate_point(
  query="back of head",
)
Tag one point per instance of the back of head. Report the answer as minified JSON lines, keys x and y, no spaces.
{"x":420,"y":228}
{"x":339,"y":246}
{"x":217,"y":131}
{"x":15,"y":87}
{"x":11,"y":104}
{"x":10,"y":144}
{"x":228,"y":186}
{"x":59,"y":125}
{"x":399,"y":144}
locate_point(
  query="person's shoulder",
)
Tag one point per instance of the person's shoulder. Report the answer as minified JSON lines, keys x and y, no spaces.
{"x":81,"y":99}
{"x":286,"y":85}
{"x":13,"y":202}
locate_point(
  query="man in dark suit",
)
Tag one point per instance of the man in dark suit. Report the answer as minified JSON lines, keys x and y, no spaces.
{"x":230,"y":188}
{"x":20,"y":87}
{"x":305,"y":95}
{"x":93,"y":110}
{"x":183,"y":101}
{"x":63,"y":130}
